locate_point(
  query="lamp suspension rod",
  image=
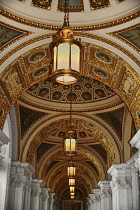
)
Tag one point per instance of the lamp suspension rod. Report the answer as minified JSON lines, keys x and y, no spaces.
{"x":66,"y":11}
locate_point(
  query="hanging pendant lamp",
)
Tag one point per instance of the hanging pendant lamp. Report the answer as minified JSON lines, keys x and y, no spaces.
{"x":65,"y":54}
{"x":71,"y":170}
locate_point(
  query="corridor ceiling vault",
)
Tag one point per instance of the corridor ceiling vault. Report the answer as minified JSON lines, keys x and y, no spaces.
{"x":105,"y":101}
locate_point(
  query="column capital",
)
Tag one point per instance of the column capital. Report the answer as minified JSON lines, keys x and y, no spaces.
{"x":135,"y":141}
{"x":3,"y":141}
{"x":3,"y":138}
{"x":45,"y":194}
{"x":105,"y":188}
{"x":121,"y":183}
{"x":137,"y":162}
{"x":119,"y":170}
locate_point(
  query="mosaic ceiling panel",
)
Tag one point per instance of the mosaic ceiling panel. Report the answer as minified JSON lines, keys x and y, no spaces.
{"x":97,"y":4}
{"x":42,"y":3}
{"x":115,"y":119}
{"x":27,"y":117}
{"x":131,"y":36}
{"x":86,"y":90}
{"x":44,"y":147}
{"x":74,"y":6}
{"x":8,"y":35}
{"x":101,"y":150}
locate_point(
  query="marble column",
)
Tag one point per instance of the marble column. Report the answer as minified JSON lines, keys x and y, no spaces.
{"x":27,"y":195}
{"x":56,"y":203}
{"x":135,"y":142}
{"x":121,"y":186}
{"x":105,"y":192}
{"x":89,"y":202}
{"x":45,"y":198}
{"x":17,"y":184}
{"x":51,"y":200}
{"x":4,"y":168}
{"x":97,"y":199}
{"x":35,"y":194}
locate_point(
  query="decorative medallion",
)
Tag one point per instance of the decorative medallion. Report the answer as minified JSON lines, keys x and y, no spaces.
{"x":41,"y":72}
{"x":103,"y":57}
{"x":74,"y":6}
{"x":37,"y":56}
{"x":95,"y":4}
{"x":42,"y":3}
{"x":100,"y":73}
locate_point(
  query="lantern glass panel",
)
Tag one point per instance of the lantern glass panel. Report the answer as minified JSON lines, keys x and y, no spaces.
{"x":75,"y":57}
{"x":72,"y":189}
{"x":63,"y":56}
{"x":71,"y":182}
{"x":66,"y":79}
{"x":55,"y":56}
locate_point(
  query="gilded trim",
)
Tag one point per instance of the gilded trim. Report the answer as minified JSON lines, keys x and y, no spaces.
{"x":76,"y":28}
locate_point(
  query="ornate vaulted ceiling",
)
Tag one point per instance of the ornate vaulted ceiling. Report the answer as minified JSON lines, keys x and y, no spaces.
{"x":105,"y":102}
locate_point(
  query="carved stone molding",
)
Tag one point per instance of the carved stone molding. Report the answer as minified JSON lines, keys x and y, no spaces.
{"x":35,"y":192}
{"x":106,"y":193}
{"x":121,"y":183}
{"x":137,"y":162}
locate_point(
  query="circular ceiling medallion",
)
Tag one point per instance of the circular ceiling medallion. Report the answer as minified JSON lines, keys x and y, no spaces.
{"x":103,"y":57}
{"x":41,"y":72}
{"x":100,"y":73}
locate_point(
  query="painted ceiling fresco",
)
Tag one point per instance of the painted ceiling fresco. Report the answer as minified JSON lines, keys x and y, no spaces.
{"x":27,"y":117}
{"x":115,"y":119}
{"x":74,"y":6}
{"x":131,"y":36}
{"x":97,"y":4}
{"x":42,"y":3}
{"x":86,"y":90}
{"x":8,"y":34}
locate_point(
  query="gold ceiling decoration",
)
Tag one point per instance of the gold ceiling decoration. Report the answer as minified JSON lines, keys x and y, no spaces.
{"x":76,"y":28}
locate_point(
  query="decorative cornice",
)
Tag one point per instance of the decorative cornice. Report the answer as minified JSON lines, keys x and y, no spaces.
{"x":76,"y":28}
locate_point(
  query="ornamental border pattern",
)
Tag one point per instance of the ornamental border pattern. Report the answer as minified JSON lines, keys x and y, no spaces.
{"x":76,"y":28}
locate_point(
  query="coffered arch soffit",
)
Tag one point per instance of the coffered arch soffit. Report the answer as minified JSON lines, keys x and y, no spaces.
{"x":39,"y":133}
{"x":117,"y":77}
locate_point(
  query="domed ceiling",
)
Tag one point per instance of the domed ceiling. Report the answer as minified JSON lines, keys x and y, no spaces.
{"x":105,"y":101}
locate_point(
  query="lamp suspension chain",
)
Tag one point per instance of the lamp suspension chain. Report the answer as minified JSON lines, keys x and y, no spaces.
{"x":66,"y":15}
